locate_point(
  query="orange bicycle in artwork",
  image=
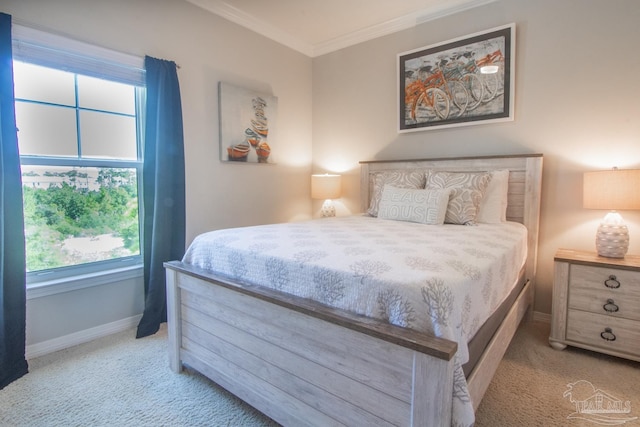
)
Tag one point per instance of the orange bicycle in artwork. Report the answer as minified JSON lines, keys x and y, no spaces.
{"x":432,"y":97}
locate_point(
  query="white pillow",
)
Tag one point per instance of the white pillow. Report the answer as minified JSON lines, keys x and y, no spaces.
{"x":399,"y":179}
{"x":414,"y":205}
{"x":493,"y":206}
{"x":467,"y":189}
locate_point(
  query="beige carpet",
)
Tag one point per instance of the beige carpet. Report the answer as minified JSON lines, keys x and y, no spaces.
{"x":532,"y":378}
{"x":120,"y":381}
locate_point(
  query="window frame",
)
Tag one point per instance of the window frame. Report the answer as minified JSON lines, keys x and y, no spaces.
{"x":58,"y":52}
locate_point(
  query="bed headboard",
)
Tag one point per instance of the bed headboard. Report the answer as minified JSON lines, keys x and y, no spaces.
{"x":525,"y":183}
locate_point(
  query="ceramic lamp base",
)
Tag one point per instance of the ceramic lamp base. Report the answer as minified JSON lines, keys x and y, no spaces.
{"x":612,"y":240}
{"x":328,"y":209}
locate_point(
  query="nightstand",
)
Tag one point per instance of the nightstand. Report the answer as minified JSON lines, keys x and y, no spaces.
{"x":596,"y":303}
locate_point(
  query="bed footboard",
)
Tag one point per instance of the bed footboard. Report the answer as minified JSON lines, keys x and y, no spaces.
{"x":302,"y":363}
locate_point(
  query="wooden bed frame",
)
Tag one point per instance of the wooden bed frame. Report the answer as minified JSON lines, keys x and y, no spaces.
{"x":302,"y":363}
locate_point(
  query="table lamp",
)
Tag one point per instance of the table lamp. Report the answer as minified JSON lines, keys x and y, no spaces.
{"x":614,"y":190}
{"x":326,"y":187}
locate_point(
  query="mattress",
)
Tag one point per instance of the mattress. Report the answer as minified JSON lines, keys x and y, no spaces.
{"x":446,"y":280}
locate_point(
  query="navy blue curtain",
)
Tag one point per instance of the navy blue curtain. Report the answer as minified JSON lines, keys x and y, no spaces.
{"x":13,"y":363}
{"x":163,"y":188}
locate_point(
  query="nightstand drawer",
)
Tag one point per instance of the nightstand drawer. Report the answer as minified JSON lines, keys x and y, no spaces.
{"x":605,"y":291}
{"x":591,"y":329}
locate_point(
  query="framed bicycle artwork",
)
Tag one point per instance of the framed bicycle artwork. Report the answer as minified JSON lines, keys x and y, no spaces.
{"x":465,"y":81}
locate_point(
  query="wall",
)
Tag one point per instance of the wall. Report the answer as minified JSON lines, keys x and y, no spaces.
{"x":576,"y":102}
{"x":208,"y":49}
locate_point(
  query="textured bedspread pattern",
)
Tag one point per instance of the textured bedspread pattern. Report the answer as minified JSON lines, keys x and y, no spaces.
{"x":445,"y":280}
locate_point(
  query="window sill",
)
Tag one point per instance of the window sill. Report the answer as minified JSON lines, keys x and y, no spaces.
{"x":74,"y":283}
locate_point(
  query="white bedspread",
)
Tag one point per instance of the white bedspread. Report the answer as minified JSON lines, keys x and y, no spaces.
{"x":446,"y":280}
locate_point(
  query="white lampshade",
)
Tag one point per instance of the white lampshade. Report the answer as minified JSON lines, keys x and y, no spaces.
{"x":616,"y":189}
{"x":612,"y":190}
{"x":326,"y":187}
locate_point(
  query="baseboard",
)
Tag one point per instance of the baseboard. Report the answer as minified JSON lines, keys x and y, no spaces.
{"x":49,"y":346}
{"x":541,"y":317}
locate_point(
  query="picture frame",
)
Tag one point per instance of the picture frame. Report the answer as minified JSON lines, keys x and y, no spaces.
{"x":464,"y":81}
{"x":248,"y":122}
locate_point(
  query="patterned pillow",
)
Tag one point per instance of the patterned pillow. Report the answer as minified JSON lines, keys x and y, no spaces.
{"x":398,"y":179}
{"x":414,"y":205}
{"x":467,"y":189}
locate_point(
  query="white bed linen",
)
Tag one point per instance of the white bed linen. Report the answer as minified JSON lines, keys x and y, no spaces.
{"x":446,"y":280}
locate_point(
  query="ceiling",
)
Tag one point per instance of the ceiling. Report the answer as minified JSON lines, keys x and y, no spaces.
{"x":316,"y":27}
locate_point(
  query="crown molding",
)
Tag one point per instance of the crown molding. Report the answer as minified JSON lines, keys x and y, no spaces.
{"x":235,"y":15}
{"x":396,"y":25}
{"x":252,"y":23}
{"x":365,"y":34}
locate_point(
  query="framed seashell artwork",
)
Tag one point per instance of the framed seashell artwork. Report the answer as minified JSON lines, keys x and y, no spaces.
{"x":247,"y":124}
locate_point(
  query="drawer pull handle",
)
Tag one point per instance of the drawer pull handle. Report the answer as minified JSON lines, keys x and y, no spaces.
{"x":610,"y":306}
{"x":608,"y":335}
{"x":612,"y":282}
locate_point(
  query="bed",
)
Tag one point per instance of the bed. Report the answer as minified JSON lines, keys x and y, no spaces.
{"x":307,"y":361}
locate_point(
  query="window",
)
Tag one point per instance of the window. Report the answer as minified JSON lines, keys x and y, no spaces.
{"x":79,"y":135}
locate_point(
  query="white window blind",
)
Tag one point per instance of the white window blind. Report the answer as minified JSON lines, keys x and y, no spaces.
{"x":52,"y":50}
